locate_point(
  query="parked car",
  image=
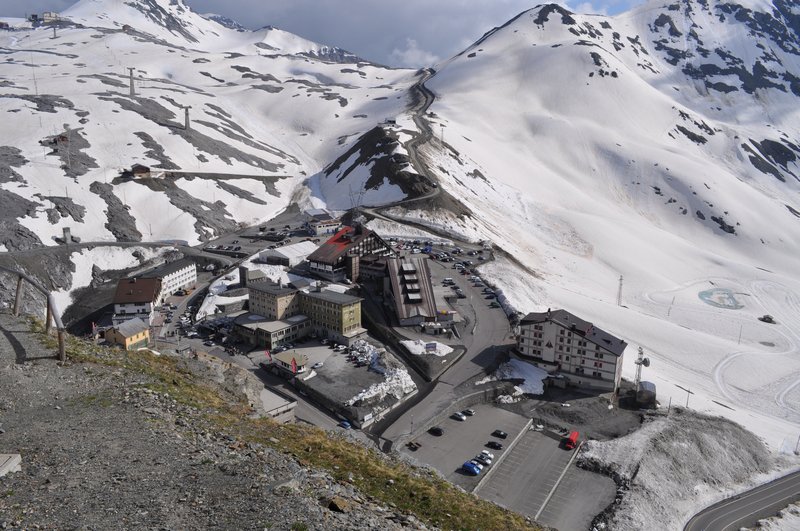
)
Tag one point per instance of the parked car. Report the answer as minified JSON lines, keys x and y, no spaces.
{"x":494,"y":445}
{"x":484,"y":460}
{"x":487,"y":453}
{"x":494,"y":304}
{"x":208,"y":343}
{"x":317,"y":365}
{"x":499,"y":434}
{"x":476,"y":463}
{"x":345,"y":424}
{"x":459,"y":416}
{"x":469,"y":412}
{"x":470,"y":468}
{"x":437,"y":431}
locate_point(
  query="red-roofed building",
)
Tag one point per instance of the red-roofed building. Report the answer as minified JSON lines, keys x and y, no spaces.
{"x":338,"y":258}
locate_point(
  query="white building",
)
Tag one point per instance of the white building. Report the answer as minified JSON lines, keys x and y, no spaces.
{"x":288,"y":255}
{"x":321,"y":222}
{"x":177,"y":275}
{"x":573,"y":350}
{"x":136,"y":298}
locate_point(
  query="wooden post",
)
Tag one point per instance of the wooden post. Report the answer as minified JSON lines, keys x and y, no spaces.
{"x":62,"y":354}
{"x":18,"y":298}
{"x":48,"y":318}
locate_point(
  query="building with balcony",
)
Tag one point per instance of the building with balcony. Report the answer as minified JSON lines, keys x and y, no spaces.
{"x":136,"y":298}
{"x":575,"y":351}
{"x":337,"y":258}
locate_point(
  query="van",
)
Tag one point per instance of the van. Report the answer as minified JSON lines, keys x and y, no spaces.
{"x":571,"y":440}
{"x":447,"y":280}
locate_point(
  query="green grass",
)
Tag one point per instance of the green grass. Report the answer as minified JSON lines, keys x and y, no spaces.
{"x":411,"y":490}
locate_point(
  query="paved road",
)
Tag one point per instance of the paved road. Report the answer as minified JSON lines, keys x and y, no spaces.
{"x":490,"y":335}
{"x":746,"y":509}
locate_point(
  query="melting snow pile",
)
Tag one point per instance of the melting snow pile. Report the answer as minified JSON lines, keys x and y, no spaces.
{"x":676,"y":465}
{"x":417,"y":347}
{"x":788,"y":518}
{"x":520,"y":370}
{"x":397,"y":383}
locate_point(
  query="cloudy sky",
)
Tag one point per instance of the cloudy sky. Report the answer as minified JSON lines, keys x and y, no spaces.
{"x":406,"y":33}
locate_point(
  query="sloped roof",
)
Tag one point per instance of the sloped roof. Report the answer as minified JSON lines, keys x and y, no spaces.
{"x":337,"y":245}
{"x":131,"y":327}
{"x":412,"y":288}
{"x":137,"y":290}
{"x":294,"y":250}
{"x":287,"y":355}
{"x":170,"y":267}
{"x":577,"y":325}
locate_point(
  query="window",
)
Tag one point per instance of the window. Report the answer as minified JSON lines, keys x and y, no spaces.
{"x":567,"y":358}
{"x":559,"y":356}
{"x":561,"y":347}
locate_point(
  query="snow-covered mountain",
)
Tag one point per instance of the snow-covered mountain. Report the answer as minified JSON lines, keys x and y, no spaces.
{"x":268,"y":110}
{"x":660,"y":145}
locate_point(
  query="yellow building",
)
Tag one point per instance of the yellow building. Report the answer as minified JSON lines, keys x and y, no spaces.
{"x":130,"y":335}
{"x":331,"y":314}
{"x":273,"y":301}
{"x":334,"y":314}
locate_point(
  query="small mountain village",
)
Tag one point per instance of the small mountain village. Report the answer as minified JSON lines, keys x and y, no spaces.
{"x":364,"y":329}
{"x":385,"y":331}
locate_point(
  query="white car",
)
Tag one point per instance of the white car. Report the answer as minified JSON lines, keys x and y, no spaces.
{"x":317,"y":365}
{"x":459,"y":416}
{"x":487,"y":453}
{"x":477,"y":464}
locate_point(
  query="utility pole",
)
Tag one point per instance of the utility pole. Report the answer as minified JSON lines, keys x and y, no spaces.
{"x":619,"y":292}
{"x":133,"y":92}
{"x":186,"y":117}
{"x":54,"y":32}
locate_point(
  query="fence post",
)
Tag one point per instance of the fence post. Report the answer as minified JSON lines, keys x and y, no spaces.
{"x":18,"y":298}
{"x":48,"y":318}
{"x":62,"y":355}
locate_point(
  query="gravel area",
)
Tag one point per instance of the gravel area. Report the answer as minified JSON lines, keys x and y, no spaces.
{"x":101,"y":451}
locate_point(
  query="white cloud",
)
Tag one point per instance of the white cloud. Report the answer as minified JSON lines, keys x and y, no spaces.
{"x":412,"y":55}
{"x":411,"y":33}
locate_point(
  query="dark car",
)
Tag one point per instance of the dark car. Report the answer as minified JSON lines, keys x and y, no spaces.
{"x":500,"y":434}
{"x":494,"y":445}
{"x":437,"y":431}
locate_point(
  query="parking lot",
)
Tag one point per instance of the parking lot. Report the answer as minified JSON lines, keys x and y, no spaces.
{"x":528,"y":473}
{"x":463,"y":440}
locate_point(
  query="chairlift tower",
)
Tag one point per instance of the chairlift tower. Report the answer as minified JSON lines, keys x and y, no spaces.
{"x":619,"y":292}
{"x":186,"y":122}
{"x":133,"y":92}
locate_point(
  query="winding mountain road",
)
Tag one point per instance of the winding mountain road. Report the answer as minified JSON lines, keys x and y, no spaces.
{"x":744,"y":510}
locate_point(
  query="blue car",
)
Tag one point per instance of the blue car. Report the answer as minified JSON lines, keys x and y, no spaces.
{"x":344,"y":424}
{"x":470,"y":469}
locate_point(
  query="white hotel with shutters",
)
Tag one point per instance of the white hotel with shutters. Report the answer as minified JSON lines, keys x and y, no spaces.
{"x":572,"y":350}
